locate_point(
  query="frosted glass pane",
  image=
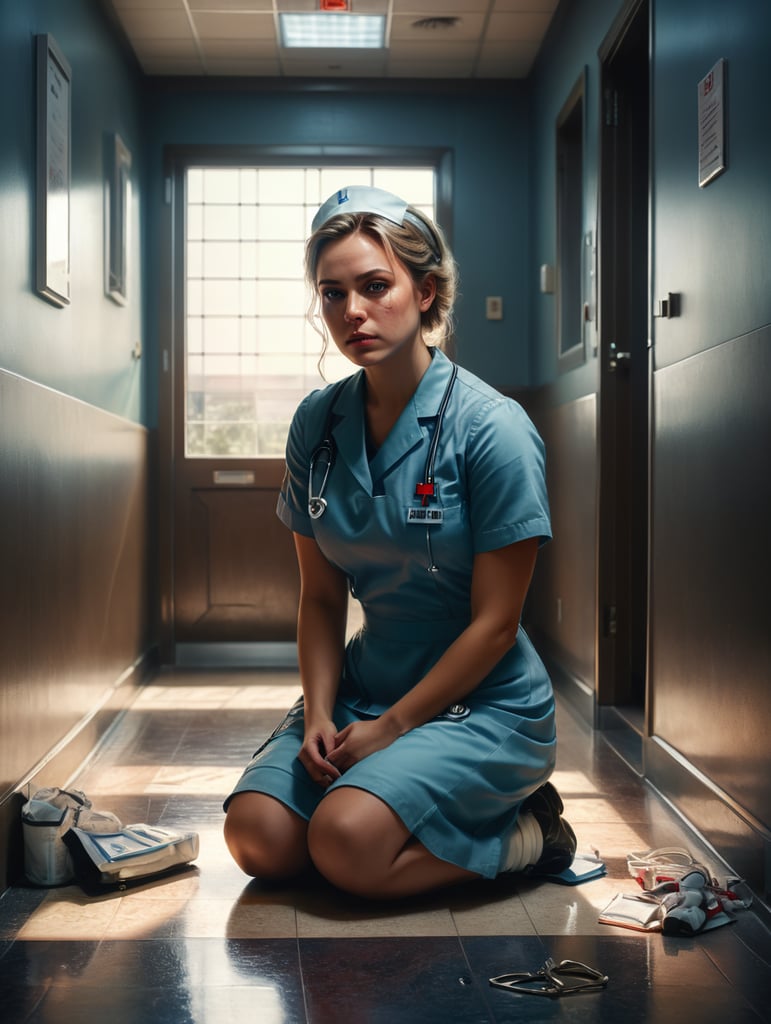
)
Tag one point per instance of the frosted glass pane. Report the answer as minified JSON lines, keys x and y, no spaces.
{"x":221,"y":223}
{"x":194,"y":259}
{"x":249,"y":224}
{"x":194,"y":185}
{"x":280,"y":259}
{"x":334,"y":178}
{"x":220,"y":298}
{"x":247,"y":298}
{"x":414,"y":185}
{"x":194,"y":334}
{"x":222,"y":366}
{"x":281,"y":297}
{"x":221,"y":184}
{"x":221,"y":334}
{"x":281,"y":184}
{"x":194,"y":298}
{"x":248,"y":177}
{"x":195,"y":222}
{"x":249,"y":259}
{"x":275,"y":334}
{"x":222,"y":259}
{"x":282,"y":223}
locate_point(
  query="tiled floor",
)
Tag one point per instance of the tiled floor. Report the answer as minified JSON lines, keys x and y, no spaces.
{"x":210,"y":946}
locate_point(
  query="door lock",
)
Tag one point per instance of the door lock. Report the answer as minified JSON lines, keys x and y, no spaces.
{"x":617,"y":359}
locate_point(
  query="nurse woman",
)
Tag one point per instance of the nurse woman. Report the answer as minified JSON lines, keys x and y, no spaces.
{"x":420,"y":752}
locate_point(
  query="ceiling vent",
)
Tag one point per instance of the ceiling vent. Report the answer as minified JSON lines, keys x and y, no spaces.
{"x":438,"y":24}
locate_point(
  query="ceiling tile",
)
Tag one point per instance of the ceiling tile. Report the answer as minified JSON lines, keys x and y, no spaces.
{"x":234,"y":26}
{"x":239,"y":49}
{"x":412,"y":50}
{"x":518,"y":26}
{"x":430,"y":69}
{"x":155,"y":24}
{"x":231,"y":5}
{"x":171,"y":48}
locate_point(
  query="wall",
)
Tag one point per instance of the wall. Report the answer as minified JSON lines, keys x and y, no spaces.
{"x":74,"y":453}
{"x":708,"y":710}
{"x":564,"y":405}
{"x":710,"y":643}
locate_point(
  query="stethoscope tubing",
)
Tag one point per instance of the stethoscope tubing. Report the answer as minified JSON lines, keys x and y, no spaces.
{"x":317,"y":503}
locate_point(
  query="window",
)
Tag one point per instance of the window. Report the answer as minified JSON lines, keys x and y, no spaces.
{"x":570,"y":233}
{"x":250,"y":353}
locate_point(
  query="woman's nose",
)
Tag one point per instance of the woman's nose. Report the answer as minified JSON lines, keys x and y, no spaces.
{"x":354,"y":311}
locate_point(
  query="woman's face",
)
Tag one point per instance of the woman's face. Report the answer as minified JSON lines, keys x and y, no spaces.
{"x":369,"y":302}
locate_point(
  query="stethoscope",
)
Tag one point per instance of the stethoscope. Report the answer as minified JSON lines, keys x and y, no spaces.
{"x":425,"y":489}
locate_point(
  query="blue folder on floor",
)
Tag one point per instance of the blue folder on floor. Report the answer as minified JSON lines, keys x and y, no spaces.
{"x":584,"y":868}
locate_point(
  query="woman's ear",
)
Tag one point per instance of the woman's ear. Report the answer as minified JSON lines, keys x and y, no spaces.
{"x":427,"y":292}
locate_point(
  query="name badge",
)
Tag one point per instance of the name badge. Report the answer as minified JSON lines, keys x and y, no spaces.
{"x":425,"y":516}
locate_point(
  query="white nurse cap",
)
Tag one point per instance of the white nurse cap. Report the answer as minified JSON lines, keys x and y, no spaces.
{"x":367,"y":199}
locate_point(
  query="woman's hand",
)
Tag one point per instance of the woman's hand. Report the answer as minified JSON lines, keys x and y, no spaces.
{"x":359,"y":740}
{"x":319,"y":743}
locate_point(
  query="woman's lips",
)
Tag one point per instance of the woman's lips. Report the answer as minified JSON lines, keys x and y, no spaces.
{"x":360,"y":339}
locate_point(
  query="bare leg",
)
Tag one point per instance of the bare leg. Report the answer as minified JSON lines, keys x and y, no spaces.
{"x":360,"y":845}
{"x":265,"y":838}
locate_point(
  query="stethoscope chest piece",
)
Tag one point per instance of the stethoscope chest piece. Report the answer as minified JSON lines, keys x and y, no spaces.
{"x":317,"y":507}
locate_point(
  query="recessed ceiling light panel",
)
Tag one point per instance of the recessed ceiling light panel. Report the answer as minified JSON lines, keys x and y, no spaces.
{"x":333,"y":30}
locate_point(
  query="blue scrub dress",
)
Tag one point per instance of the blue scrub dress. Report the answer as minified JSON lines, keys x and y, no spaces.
{"x":456,"y":782}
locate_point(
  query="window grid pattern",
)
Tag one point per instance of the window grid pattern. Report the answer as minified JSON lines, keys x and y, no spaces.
{"x":250,"y":353}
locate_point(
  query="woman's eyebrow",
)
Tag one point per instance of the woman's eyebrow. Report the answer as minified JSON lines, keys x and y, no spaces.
{"x":375,"y":272}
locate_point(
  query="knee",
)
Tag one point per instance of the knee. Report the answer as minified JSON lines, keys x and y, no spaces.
{"x":266,"y":841}
{"x":335,"y":845}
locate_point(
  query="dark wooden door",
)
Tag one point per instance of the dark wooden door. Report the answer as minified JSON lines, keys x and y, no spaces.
{"x":624,"y":375}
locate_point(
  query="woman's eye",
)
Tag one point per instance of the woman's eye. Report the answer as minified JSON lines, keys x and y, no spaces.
{"x":376,"y":287}
{"x":331,"y":294}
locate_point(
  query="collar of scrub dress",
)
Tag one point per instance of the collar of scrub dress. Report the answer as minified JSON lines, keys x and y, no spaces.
{"x":367,"y":199}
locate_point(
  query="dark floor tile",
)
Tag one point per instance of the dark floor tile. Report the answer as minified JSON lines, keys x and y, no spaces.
{"x":652,"y":978}
{"x":742,"y":953}
{"x":386,"y":980}
{"x":205,"y":981}
{"x":16,"y":905}
{"x":180,"y":1005}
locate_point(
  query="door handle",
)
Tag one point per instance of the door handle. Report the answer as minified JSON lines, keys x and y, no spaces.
{"x":617,"y":359}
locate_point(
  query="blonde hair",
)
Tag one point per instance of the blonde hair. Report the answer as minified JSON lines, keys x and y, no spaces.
{"x":407,"y":243}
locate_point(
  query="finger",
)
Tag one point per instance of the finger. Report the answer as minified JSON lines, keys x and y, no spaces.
{"x":333,"y":770}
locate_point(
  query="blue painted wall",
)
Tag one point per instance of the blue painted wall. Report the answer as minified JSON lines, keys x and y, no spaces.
{"x":488,"y":136}
{"x":84,"y":350}
{"x":569,"y":51}
{"x":711,"y":244}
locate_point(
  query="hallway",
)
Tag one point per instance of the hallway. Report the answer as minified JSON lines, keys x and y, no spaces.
{"x":209,"y":946}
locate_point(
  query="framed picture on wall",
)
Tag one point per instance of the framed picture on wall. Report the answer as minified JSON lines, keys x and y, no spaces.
{"x":54,"y":81}
{"x":117,"y":207}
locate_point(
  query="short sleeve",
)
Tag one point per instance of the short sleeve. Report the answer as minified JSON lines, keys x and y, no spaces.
{"x":292,"y":507}
{"x":505,"y":465}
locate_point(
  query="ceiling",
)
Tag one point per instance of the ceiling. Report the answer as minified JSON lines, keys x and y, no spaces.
{"x":426,"y":38}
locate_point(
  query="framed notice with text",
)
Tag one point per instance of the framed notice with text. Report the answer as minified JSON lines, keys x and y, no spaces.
{"x":712,"y":124}
{"x":117,"y":221}
{"x":53,"y":172}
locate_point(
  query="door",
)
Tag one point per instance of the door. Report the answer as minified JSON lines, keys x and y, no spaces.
{"x":624,"y":375}
{"x":235,"y":579}
{"x":240,"y":357}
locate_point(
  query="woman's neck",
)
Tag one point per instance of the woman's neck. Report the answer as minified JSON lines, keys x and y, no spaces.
{"x":389,"y":389}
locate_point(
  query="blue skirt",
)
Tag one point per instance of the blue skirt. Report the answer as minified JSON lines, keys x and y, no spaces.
{"x":456,"y":782}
